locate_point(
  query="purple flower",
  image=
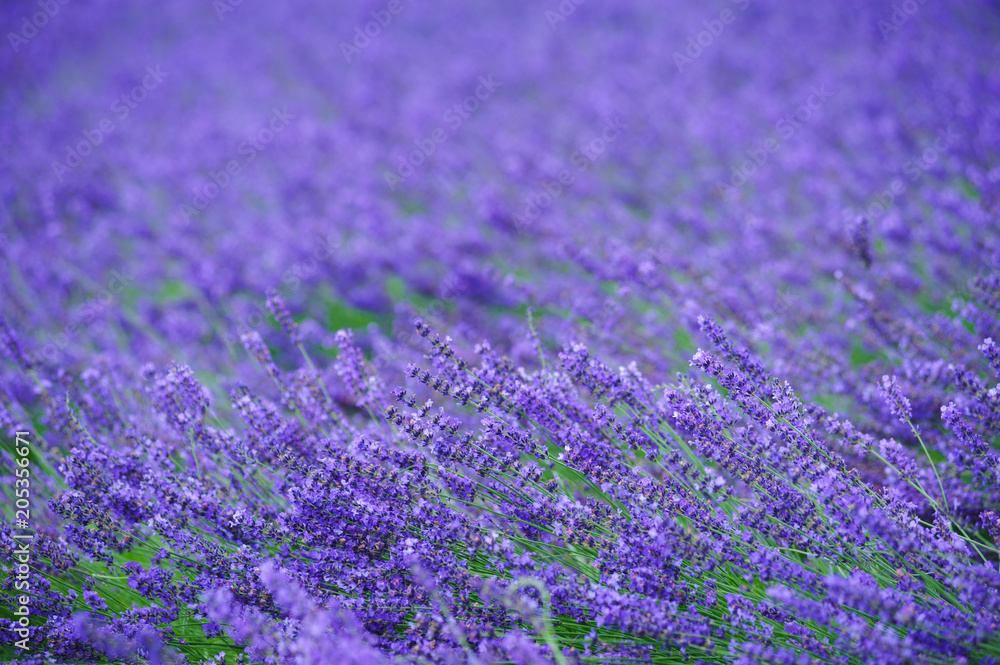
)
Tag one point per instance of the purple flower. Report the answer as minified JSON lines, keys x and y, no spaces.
{"x":893,"y":397}
{"x":276,"y":304}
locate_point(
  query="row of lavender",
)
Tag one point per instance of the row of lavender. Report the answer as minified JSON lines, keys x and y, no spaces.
{"x":589,"y":517}
{"x":576,"y":194}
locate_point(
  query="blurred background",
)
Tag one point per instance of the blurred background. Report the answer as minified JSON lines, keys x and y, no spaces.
{"x":619,"y":167}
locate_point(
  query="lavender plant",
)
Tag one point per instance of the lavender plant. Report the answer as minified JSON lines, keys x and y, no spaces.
{"x":625,"y":362}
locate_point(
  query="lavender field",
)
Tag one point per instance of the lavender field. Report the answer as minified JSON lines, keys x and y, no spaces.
{"x":474,"y":333}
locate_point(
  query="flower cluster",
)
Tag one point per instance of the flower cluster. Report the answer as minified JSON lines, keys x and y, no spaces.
{"x":653,"y":425}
